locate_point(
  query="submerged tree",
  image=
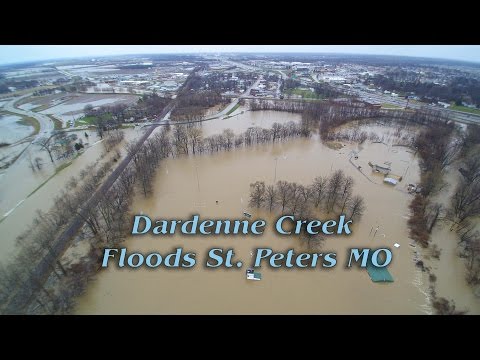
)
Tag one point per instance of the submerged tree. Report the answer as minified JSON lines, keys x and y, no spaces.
{"x":318,"y":190}
{"x":270,"y":197}
{"x":356,"y":207}
{"x":257,"y":194}
{"x":46,"y":145}
{"x":284,"y":194}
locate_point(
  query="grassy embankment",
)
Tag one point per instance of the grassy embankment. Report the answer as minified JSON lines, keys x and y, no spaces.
{"x":57,"y":124}
{"x":233,"y":109}
{"x":391,"y":106}
{"x":90,"y":120}
{"x":30,"y":121}
{"x":465,"y":109}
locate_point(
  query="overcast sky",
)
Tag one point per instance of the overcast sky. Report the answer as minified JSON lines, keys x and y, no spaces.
{"x":23,"y":53}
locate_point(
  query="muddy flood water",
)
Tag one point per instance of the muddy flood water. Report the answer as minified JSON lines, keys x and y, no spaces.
{"x":31,"y":191}
{"x":11,"y":131}
{"x":225,"y":177}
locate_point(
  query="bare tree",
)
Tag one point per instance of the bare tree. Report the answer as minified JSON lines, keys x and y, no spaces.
{"x":194,"y":134}
{"x":270,"y":197}
{"x":284,"y":194}
{"x":443,"y":306}
{"x":38,"y":163}
{"x":318,"y":190}
{"x":46,"y":145}
{"x":229,"y":136}
{"x":257,"y":194}
{"x":276,"y":128}
{"x":296,"y":197}
{"x":333,"y":189}
{"x":347,"y":188}
{"x":433,"y":213}
{"x":180,"y":139}
{"x":72,"y":183}
{"x":356,"y":207}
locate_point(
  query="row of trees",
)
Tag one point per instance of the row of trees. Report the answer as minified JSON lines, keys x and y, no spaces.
{"x":458,"y":89}
{"x":285,"y":105}
{"x":329,"y":194}
{"x":38,"y":242}
{"x":329,"y":115}
{"x":192,"y":105}
{"x":465,"y":204}
{"x":437,"y":149}
{"x":188,"y":138}
{"x":112,"y":138}
{"x":6,"y":83}
{"x":326,"y":115}
{"x":105,"y":222}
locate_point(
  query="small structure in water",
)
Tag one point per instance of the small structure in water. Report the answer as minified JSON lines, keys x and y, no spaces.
{"x":378,"y":274}
{"x":381,"y":169}
{"x":414,"y":189}
{"x":252,"y":275}
{"x":390,"y":181}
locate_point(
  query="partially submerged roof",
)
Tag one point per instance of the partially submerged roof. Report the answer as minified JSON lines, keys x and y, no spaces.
{"x":390,"y":180}
{"x":378,"y":274}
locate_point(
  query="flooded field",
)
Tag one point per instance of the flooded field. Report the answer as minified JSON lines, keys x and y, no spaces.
{"x":19,"y":204}
{"x":11,"y":131}
{"x":240,"y":123}
{"x":73,"y":108}
{"x":225,"y":177}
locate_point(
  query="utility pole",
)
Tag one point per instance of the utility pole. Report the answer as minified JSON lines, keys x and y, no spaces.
{"x":275,"y":179}
{"x":198,"y":181}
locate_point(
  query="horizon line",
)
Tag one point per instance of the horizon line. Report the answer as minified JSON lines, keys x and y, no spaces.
{"x":239,"y":52}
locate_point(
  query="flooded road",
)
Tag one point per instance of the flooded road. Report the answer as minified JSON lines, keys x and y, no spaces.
{"x":225,"y":177}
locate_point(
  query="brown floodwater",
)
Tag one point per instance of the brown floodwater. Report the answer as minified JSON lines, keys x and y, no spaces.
{"x":225,"y":177}
{"x":450,"y":268}
{"x":17,"y":203}
{"x":240,"y":123}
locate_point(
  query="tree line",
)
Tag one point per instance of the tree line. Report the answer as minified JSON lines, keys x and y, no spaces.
{"x":437,"y":149}
{"x":465,"y":205}
{"x":188,"y":138}
{"x":106,"y":220}
{"x":326,"y":193}
{"x":104,"y":225}
{"x":459,"y":89}
{"x":193,"y":105}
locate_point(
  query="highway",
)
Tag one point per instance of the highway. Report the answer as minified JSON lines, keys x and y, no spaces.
{"x":236,"y":100}
{"x":402,"y":103}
